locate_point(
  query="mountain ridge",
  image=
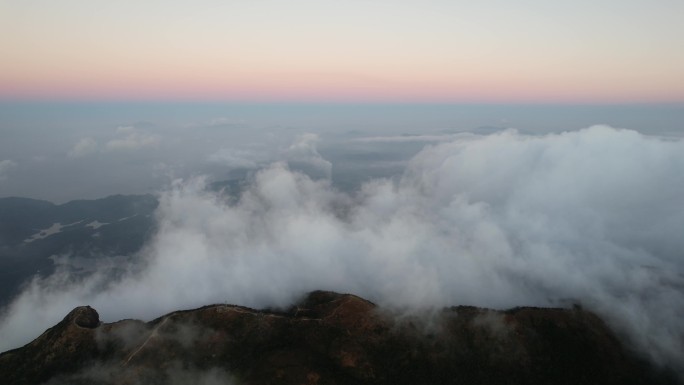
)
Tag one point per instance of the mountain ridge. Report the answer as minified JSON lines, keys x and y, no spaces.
{"x":332,"y":338}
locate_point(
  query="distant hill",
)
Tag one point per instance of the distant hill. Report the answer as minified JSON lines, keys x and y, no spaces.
{"x":330,"y":338}
{"x":34,"y":232}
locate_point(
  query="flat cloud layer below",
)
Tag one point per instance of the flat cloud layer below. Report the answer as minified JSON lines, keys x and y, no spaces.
{"x":593,"y":216}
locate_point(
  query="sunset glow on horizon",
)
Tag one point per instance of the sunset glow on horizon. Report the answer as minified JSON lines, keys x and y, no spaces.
{"x":352,"y":51}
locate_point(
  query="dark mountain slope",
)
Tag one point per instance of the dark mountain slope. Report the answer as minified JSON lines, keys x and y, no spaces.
{"x":330,"y":338}
{"x":33,"y":232}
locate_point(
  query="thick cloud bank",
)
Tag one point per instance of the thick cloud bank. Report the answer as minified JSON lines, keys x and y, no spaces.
{"x":593,"y":216}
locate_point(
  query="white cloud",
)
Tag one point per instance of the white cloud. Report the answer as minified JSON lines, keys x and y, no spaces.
{"x":85,"y":146}
{"x":5,"y":166}
{"x":501,"y":220}
{"x":303,"y":153}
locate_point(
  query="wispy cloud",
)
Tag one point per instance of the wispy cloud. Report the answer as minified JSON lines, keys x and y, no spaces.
{"x":84,"y":147}
{"x":237,"y":158}
{"x":406,"y":138}
{"x":131,"y":139}
{"x":5,"y":167}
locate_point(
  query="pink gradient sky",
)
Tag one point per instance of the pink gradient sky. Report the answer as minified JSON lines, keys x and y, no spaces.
{"x":351,"y":51}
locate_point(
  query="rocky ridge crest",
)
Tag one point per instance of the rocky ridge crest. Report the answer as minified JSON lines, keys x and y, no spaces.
{"x":331,"y":338}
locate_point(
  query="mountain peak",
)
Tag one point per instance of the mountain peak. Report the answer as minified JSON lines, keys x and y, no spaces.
{"x":83,"y":316}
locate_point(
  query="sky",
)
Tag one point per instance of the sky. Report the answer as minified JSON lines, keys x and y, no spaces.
{"x":497,"y":51}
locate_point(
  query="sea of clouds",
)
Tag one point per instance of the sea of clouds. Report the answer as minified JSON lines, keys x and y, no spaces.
{"x":594,"y":216}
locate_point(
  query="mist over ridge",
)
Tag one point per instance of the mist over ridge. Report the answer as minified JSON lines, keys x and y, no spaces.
{"x":591,"y":216}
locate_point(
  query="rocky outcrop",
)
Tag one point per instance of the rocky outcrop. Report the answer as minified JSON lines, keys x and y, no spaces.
{"x":331,"y":338}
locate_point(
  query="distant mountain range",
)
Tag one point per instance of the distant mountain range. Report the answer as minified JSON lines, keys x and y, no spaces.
{"x":330,"y":338}
{"x":36,"y":235}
